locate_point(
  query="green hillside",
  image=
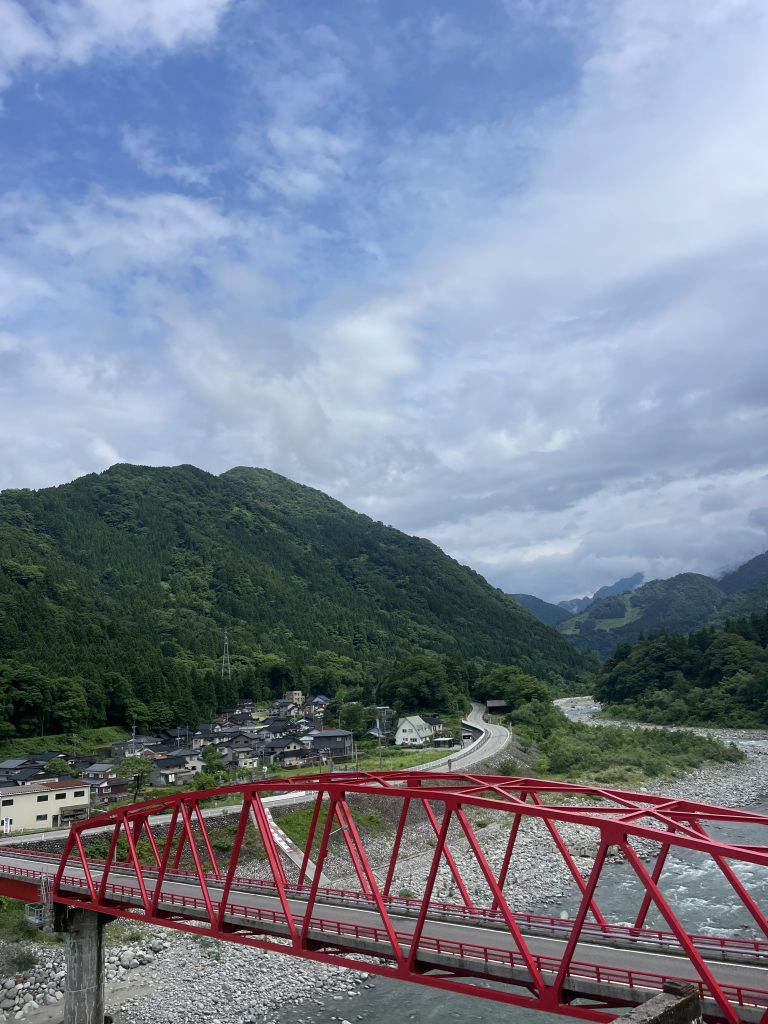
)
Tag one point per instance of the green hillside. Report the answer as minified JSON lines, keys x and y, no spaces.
{"x":707,"y":678}
{"x":115,"y":591}
{"x":677,"y":605}
{"x":549,"y":614}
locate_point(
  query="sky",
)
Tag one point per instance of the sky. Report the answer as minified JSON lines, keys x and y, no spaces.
{"x":491,"y":272}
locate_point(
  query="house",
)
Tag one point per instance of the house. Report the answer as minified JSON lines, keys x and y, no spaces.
{"x":435,"y":723}
{"x":43,"y":805}
{"x":100,"y":771}
{"x":287,"y":751}
{"x":317,"y":705}
{"x":497,"y":707}
{"x":283,"y":708}
{"x":295,"y":697}
{"x":134,"y":746}
{"x":274,"y":728}
{"x":412,"y":731}
{"x":385,"y":719}
{"x":109,"y":791}
{"x":337,"y":743}
{"x":45,"y":756}
{"x":171,"y":771}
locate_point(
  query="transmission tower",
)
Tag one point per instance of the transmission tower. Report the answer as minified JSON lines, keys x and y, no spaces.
{"x":226,"y":667}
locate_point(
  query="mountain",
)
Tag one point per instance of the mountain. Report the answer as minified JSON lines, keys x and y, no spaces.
{"x":678,"y":605}
{"x":710,"y":677}
{"x":578,"y":604}
{"x":550,"y":614}
{"x":115,"y":591}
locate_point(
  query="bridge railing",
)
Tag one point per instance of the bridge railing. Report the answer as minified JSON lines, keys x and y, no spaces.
{"x":443,"y":803}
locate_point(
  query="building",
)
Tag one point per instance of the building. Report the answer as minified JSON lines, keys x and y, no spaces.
{"x":435,"y":723}
{"x":412,"y":731}
{"x":337,"y":743}
{"x":106,"y":786}
{"x":497,"y":707}
{"x":43,"y":805}
{"x":295,"y":697}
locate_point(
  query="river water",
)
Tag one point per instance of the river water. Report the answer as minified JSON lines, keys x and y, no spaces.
{"x":695,"y":888}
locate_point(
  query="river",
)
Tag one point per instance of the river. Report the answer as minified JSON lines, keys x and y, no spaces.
{"x":695,"y":887}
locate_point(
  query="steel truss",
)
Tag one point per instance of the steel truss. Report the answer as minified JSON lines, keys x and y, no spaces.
{"x":162,"y":867}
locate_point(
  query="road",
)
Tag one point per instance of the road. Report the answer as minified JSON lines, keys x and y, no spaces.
{"x":494,"y":740}
{"x":485,"y":950}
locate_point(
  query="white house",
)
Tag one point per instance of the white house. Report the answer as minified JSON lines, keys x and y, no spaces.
{"x":412,"y":732}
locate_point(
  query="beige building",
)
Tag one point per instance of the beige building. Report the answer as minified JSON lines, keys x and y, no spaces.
{"x":40,"y":805}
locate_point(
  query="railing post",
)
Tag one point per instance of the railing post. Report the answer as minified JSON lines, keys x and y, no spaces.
{"x":84,"y":953}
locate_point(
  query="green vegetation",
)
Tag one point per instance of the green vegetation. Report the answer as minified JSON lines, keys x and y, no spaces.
{"x":707,"y":678}
{"x":677,"y":605}
{"x":115,"y":590}
{"x":296,"y":824}
{"x":549,"y":614}
{"x":612,"y":755}
{"x":85,"y":741}
{"x":13,"y":925}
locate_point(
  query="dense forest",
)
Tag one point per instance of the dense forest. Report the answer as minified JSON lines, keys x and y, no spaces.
{"x":115,"y":591}
{"x":710,"y":677}
{"x":680,"y":604}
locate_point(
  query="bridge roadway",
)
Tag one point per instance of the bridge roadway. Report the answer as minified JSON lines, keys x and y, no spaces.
{"x":484,"y":948}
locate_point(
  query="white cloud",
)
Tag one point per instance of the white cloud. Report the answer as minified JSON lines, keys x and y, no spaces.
{"x":537,"y":339}
{"x":61,"y":32}
{"x":142,"y":145}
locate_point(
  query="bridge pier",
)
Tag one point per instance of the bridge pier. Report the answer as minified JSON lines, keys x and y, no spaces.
{"x":679,"y":1003}
{"x":84,"y":953}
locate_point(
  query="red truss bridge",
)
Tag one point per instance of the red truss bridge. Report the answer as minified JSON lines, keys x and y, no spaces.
{"x":161,"y":862}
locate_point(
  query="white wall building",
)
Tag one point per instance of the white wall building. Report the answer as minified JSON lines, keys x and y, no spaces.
{"x":42,"y":805}
{"x":412,"y":732}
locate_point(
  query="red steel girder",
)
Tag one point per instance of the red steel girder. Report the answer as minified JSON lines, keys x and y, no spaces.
{"x":308,"y":916}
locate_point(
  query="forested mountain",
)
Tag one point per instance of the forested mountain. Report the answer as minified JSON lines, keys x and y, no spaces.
{"x":678,"y":605}
{"x":622,"y":586}
{"x":550,"y":614}
{"x":710,"y":677}
{"x":115,"y":591}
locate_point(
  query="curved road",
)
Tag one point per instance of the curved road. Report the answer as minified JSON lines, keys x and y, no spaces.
{"x":495,"y":739}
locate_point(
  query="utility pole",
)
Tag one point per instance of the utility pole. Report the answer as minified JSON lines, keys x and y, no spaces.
{"x":226,"y":667}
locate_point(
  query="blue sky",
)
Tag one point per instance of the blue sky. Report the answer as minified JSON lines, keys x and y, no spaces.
{"x":492,"y":272}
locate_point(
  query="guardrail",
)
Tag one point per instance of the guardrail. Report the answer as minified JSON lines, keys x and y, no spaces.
{"x":476,"y":915}
{"x":614,"y":976}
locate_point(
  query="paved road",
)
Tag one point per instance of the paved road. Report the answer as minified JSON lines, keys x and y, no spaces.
{"x":443,"y":937}
{"x":494,"y":739}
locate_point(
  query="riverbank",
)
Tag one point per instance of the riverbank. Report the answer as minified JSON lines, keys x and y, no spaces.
{"x":196,"y":978}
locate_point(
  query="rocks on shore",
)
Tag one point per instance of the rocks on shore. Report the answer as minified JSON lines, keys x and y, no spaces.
{"x":43,"y":985}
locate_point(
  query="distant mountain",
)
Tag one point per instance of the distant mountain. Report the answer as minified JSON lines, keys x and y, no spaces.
{"x":579,"y":604}
{"x":115,"y":591}
{"x":550,"y":614}
{"x":711,"y":677}
{"x":678,"y":605}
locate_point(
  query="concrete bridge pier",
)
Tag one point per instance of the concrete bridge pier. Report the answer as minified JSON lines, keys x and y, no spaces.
{"x":84,"y":954}
{"x":678,"y":1004}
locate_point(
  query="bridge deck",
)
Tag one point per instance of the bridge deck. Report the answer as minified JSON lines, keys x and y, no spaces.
{"x":623,"y":964}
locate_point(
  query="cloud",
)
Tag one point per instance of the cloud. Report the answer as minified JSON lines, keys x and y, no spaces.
{"x":142,"y":146}
{"x":53,"y":33}
{"x":530,"y":328}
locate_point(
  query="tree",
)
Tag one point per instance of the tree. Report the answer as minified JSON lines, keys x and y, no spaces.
{"x":213,"y":765}
{"x":58,"y":766}
{"x":137,"y":768}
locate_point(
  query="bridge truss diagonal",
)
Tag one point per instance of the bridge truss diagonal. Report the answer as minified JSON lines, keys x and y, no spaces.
{"x":163,"y":862}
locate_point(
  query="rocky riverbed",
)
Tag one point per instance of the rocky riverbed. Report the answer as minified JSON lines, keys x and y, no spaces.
{"x":166,"y":977}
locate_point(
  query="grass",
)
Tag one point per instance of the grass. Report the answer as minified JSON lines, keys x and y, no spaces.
{"x":87,"y":741}
{"x":296,"y":824}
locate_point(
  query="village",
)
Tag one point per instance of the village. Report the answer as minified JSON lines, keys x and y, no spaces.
{"x":54,"y":788}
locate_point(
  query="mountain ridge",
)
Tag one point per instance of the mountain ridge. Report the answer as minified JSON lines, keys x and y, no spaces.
{"x":115,"y":590}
